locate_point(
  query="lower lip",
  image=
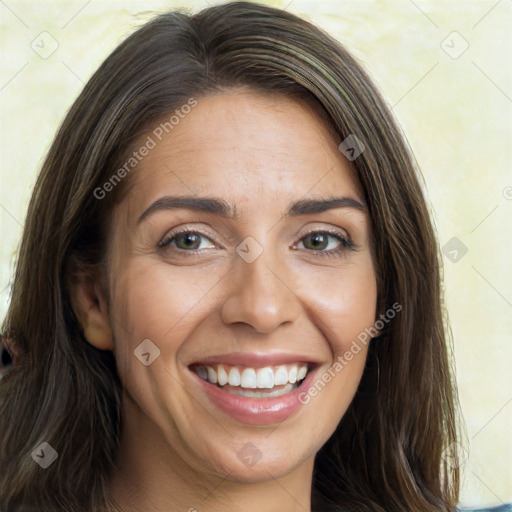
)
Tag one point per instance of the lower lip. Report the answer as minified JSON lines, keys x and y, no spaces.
{"x":256,"y":411}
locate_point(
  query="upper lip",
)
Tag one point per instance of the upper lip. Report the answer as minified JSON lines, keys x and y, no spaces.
{"x":256,"y":359}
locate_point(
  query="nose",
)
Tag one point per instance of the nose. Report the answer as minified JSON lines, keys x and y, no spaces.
{"x":261,"y":296}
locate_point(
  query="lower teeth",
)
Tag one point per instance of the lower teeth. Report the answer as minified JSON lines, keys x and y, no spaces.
{"x":261,"y":394}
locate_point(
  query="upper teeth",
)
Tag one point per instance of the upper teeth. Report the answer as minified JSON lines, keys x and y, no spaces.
{"x":252,"y":378}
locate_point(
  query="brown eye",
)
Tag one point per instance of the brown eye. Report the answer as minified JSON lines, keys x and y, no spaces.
{"x":325,"y":242}
{"x":316,"y":241}
{"x":186,"y":241}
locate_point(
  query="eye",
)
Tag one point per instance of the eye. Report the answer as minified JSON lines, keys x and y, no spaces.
{"x":186,"y":240}
{"x":325,"y":243}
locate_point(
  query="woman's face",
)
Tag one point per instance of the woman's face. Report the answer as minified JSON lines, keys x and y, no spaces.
{"x":270,"y":281}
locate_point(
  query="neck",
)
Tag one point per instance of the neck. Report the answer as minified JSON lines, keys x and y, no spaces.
{"x":151,"y":476}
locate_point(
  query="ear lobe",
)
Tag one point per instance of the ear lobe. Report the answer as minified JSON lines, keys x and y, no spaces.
{"x":89,"y":305}
{"x":97,"y":330}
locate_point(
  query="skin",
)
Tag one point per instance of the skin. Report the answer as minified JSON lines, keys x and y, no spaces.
{"x":259,"y":153}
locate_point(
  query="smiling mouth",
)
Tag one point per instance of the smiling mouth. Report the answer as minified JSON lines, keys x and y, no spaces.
{"x":263,"y":382}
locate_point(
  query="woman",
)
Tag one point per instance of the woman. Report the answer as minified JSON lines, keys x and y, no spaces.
{"x":227,"y":294}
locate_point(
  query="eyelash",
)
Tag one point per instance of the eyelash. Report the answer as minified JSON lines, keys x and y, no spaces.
{"x":345,"y":242}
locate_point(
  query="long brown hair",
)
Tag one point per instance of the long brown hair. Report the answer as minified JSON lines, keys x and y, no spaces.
{"x":387,"y":452}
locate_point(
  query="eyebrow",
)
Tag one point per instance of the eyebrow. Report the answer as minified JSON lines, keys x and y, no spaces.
{"x":219,"y":207}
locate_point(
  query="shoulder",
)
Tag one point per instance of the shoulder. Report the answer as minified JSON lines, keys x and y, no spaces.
{"x":505,"y":507}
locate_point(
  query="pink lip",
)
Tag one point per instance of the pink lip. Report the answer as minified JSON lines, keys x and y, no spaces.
{"x":256,"y":360}
{"x":256,"y":411}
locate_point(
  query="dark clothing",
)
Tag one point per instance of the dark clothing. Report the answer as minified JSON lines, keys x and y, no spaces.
{"x":499,"y":508}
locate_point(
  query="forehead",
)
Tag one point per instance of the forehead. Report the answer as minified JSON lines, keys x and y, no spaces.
{"x":256,"y":150}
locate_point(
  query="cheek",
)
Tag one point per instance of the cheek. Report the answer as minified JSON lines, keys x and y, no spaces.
{"x":344,"y":306}
{"x":153,"y":301}
{"x":344,"y":302}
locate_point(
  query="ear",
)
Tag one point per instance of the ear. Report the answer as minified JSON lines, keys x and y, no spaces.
{"x":89,"y":303}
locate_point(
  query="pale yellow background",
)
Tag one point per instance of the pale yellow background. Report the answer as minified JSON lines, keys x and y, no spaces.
{"x":456,"y":114}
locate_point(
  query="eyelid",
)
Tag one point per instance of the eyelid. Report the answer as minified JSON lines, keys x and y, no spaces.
{"x":344,"y":239}
{"x":336,"y":232}
{"x":182,"y":231}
